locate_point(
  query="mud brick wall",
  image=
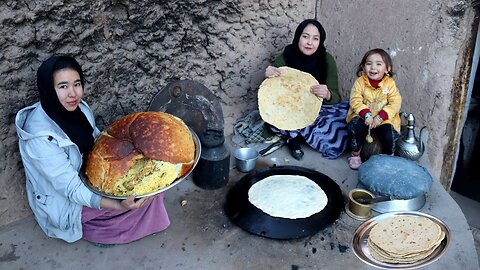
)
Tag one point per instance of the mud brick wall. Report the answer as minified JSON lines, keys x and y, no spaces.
{"x":129,"y":50}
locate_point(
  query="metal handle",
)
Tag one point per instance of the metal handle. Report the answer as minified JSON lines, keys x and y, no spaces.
{"x":374,"y":200}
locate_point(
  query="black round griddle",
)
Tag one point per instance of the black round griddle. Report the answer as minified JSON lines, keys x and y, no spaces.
{"x":248,"y":217}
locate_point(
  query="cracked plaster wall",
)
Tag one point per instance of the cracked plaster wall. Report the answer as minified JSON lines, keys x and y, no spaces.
{"x":131,"y":49}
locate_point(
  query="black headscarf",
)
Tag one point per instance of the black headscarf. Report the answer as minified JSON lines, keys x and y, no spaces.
{"x":75,"y":123}
{"x":314,"y":64}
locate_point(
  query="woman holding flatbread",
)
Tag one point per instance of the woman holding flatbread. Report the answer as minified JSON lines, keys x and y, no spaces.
{"x":328,"y":132}
{"x":55,"y":136}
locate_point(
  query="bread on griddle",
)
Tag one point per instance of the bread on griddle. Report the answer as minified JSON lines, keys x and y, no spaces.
{"x":140,"y":153}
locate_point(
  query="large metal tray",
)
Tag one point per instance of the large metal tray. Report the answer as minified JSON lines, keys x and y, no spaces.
{"x":360,"y":242}
{"x":198,"y":150}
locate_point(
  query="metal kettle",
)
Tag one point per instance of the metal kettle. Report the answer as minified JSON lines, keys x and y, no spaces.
{"x":409,"y":146}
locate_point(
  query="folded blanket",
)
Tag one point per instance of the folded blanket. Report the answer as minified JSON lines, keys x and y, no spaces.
{"x":250,"y":131}
{"x":328,"y":134}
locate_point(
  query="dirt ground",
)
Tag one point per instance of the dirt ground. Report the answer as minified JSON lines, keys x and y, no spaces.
{"x":201,"y":236}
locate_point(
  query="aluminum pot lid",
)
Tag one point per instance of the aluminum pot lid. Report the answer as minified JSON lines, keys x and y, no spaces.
{"x":248,"y":217}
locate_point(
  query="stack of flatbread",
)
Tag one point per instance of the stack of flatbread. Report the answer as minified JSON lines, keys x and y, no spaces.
{"x":404,"y":239}
{"x":286,"y":101}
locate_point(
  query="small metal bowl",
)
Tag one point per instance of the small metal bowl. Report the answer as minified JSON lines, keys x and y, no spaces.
{"x":358,"y":210}
{"x":245,"y":159}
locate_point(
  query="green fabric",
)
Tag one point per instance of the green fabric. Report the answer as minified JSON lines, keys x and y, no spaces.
{"x":332,"y":77}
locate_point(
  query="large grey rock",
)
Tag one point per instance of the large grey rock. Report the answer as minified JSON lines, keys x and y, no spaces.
{"x":394,"y":176}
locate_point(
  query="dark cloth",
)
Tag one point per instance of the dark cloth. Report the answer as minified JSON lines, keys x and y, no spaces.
{"x":314,"y":64}
{"x":75,"y":123}
{"x":328,"y":134}
{"x":385,"y":133}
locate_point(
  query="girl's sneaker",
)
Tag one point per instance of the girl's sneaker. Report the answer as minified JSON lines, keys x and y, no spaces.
{"x":354,"y":162}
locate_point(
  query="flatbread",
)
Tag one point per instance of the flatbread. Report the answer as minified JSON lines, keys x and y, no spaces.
{"x":288,"y":196}
{"x":385,"y":257}
{"x":405,"y":234}
{"x":286,"y":101}
{"x":404,"y":239}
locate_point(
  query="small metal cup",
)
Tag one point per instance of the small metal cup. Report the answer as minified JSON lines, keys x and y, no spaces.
{"x":358,"y":210}
{"x":245,"y":159}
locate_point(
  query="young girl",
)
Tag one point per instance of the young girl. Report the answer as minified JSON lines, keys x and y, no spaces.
{"x":328,"y":134}
{"x":374,"y":105}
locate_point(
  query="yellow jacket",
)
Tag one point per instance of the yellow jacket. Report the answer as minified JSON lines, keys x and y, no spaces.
{"x":386,"y":97}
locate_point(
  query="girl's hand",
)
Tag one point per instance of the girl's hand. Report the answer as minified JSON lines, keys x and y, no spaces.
{"x":321,"y":90}
{"x":377,"y":121}
{"x":272,"y":72}
{"x":369,"y":122}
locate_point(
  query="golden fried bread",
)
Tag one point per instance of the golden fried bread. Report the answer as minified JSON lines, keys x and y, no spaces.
{"x":140,"y":153}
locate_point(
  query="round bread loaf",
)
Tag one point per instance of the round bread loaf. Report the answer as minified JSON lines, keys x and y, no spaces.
{"x":140,"y":153}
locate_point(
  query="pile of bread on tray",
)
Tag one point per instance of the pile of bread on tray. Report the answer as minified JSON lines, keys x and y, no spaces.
{"x":140,"y":153}
{"x":404,"y":239}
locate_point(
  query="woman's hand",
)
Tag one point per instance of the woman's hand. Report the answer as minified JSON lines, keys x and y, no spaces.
{"x":321,"y":90}
{"x":272,"y":72}
{"x":130,"y":202}
{"x":126,"y":204}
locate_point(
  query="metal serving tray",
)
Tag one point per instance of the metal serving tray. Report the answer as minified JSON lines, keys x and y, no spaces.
{"x":360,"y":242}
{"x":198,"y":150}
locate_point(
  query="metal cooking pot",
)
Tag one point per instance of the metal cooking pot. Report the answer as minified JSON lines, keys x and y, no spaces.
{"x":248,"y":217}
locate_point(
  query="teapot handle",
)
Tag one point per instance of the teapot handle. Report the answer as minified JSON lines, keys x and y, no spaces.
{"x":420,"y":139}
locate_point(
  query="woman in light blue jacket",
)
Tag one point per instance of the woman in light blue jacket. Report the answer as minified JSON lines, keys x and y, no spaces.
{"x":55,"y":137}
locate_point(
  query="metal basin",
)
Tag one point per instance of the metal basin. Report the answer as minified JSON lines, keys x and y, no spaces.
{"x":413,"y":204}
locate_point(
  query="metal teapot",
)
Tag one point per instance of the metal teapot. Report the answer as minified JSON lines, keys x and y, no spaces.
{"x":408,"y":146}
